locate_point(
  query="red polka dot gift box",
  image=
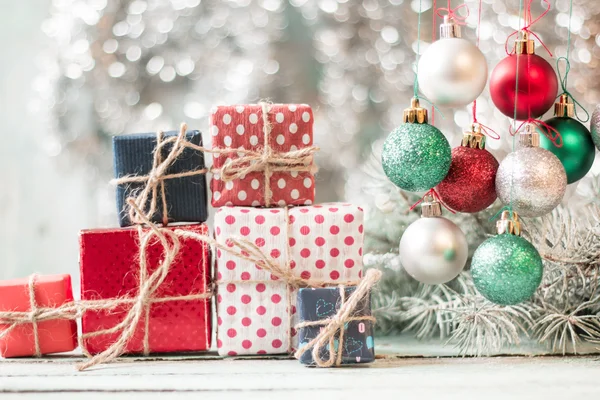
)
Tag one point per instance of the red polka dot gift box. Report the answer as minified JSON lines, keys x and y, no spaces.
{"x":265,"y":255}
{"x":174,"y":315}
{"x":270,"y":162}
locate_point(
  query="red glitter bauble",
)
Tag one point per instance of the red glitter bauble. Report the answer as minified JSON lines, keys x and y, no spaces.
{"x":538,"y":86}
{"x":470,"y":185}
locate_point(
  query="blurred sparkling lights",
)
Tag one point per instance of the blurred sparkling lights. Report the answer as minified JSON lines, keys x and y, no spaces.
{"x":144,"y":65}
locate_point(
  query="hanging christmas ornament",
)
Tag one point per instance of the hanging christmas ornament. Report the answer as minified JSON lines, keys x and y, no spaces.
{"x":577,"y":151}
{"x":416,"y":155}
{"x":452,"y":72}
{"x":531,"y":179}
{"x":433,"y":249}
{"x":595,"y":126}
{"x":506,"y":268}
{"x":470,"y":185}
{"x":537,"y":85}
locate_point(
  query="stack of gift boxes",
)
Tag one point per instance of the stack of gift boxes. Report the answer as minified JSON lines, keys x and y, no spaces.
{"x":262,"y":210}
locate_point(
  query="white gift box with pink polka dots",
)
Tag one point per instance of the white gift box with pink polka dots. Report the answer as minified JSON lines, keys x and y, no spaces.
{"x":325,"y":243}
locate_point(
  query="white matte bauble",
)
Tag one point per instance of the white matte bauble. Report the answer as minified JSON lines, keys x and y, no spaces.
{"x":452,"y":72}
{"x":433,"y":250}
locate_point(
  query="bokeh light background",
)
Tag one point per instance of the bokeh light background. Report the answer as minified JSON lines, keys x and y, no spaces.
{"x":75,"y":72}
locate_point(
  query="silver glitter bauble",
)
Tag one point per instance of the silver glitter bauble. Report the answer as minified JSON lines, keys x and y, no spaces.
{"x":532,"y":180}
{"x":595,"y":126}
{"x":452,"y":72}
{"x":433,"y":250}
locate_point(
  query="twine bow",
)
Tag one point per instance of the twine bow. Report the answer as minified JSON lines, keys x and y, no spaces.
{"x":147,"y":199}
{"x":563,"y":83}
{"x":140,"y":304}
{"x":334,"y":326}
{"x":266,"y":160}
{"x":146,"y":296}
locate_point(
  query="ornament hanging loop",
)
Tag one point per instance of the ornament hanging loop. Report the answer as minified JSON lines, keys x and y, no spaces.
{"x":564,"y":107}
{"x":430,"y":203}
{"x":450,"y":28}
{"x":529,"y":137}
{"x":524,"y":44}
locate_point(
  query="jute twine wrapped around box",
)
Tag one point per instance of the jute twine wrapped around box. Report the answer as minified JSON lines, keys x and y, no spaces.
{"x":333,"y":326}
{"x":264,"y":160}
{"x":150,"y":283}
{"x":139,"y":305}
{"x":281,"y":272}
{"x":141,"y":209}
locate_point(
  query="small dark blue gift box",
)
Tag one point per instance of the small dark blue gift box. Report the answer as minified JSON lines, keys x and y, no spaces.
{"x":185,"y":196}
{"x":323,"y":303}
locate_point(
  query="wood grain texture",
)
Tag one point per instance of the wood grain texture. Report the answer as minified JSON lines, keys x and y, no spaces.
{"x":410,"y":369}
{"x":448,"y":378}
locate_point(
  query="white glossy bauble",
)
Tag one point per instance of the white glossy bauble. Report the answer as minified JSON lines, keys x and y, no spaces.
{"x":433,"y":250}
{"x":452,"y":72}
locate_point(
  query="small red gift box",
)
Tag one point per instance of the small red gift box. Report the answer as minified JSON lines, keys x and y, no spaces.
{"x":111,"y":269}
{"x":242,"y":127}
{"x":54,"y":335}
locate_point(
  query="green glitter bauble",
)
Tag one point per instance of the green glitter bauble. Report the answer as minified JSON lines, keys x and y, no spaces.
{"x":507,"y":269}
{"x":416,"y":157}
{"x":577,"y":151}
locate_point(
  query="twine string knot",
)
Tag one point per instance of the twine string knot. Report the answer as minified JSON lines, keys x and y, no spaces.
{"x":529,"y":21}
{"x":333,"y":326}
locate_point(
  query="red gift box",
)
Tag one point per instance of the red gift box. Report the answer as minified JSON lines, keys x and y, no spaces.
{"x":110,"y":269}
{"x":54,"y":335}
{"x":243,"y":127}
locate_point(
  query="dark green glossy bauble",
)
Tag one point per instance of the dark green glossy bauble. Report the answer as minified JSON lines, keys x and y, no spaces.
{"x":506,"y":269}
{"x":416,"y":157}
{"x":577,"y":152}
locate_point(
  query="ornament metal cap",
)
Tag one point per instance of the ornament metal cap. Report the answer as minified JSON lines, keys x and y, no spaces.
{"x":415,"y":114}
{"x":430,"y":207}
{"x":524,"y":45}
{"x":529,"y":137}
{"x":474,"y":138}
{"x":564,"y":107}
{"x":449,"y":29}
{"x":509,"y":224}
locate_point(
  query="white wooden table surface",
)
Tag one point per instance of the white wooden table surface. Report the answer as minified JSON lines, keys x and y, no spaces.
{"x":403,"y":375}
{"x":443,"y":378}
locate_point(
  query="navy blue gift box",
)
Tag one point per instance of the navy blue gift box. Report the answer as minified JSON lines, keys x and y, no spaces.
{"x":186,"y":197}
{"x":319,"y":304}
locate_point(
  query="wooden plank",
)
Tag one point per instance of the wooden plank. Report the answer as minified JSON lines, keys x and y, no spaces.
{"x":412,"y":367}
{"x":505,"y":377}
